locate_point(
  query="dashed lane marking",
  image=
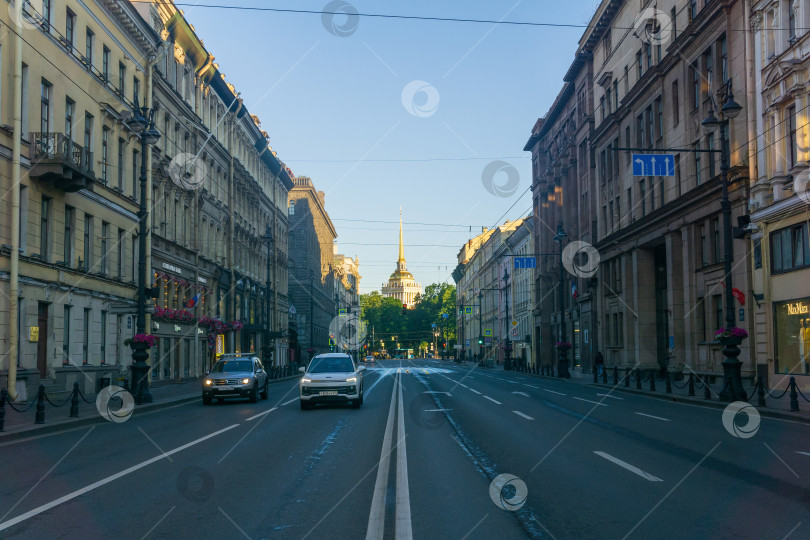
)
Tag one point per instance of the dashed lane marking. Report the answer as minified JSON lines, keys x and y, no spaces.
{"x":590,"y":401}
{"x":526,"y":416}
{"x":633,"y":469}
{"x":651,"y":416}
{"x":553,"y":392}
{"x":493,"y":400}
{"x":261,"y":414}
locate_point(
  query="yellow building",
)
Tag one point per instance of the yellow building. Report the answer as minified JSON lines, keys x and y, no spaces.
{"x":402,"y":285}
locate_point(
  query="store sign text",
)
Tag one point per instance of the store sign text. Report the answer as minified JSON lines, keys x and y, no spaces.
{"x":799,"y":308}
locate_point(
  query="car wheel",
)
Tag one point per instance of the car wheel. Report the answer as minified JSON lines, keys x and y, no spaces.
{"x":220,"y":400}
{"x":206,"y":400}
{"x":304,"y":405}
{"x":254,"y":393}
{"x":358,"y":403}
{"x":264,"y":393}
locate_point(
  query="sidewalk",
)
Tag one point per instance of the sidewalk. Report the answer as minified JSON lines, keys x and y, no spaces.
{"x":23,"y":424}
{"x":775,"y":408}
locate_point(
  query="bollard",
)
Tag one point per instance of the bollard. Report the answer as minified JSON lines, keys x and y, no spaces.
{"x":40,"y":405}
{"x":761,"y":393}
{"x":707,"y":393}
{"x":652,"y":381}
{"x":615,"y":375}
{"x":2,"y":409}
{"x":638,"y":379}
{"x":604,"y":374}
{"x":794,"y":396}
{"x":669,"y":383}
{"x":74,"y":401}
{"x":627,"y":377}
{"x":691,"y":384}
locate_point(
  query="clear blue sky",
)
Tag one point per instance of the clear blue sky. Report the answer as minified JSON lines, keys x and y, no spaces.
{"x":329,"y":101}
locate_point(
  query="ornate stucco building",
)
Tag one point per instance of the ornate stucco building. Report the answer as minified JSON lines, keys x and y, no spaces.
{"x":402,"y":285}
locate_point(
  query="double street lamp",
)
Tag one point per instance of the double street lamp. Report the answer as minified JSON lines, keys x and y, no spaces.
{"x":480,"y":326}
{"x":732,"y":387}
{"x":142,"y":122}
{"x":267,"y":347}
{"x":562,"y":359}
{"x":507,"y":361}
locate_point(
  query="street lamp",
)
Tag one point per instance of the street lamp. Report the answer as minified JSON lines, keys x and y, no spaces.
{"x":562,"y":358}
{"x":311,"y":315}
{"x":732,"y":380}
{"x":507,"y":361}
{"x":480,"y":326}
{"x":142,"y":122}
{"x":267,"y":351}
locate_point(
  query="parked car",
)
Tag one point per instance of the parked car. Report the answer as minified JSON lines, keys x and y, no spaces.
{"x":331,"y":378}
{"x":235,"y":376}
{"x":368,"y":358}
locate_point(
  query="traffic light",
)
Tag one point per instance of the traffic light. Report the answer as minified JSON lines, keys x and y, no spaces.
{"x":404,"y":307}
{"x":480,"y":341}
{"x":349,"y":310}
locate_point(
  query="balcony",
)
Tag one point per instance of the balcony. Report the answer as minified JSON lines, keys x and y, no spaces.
{"x":54,"y":156}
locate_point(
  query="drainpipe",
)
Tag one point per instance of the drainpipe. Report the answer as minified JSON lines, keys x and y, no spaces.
{"x":231,"y":228}
{"x":14,"y":278}
{"x":150,"y":64}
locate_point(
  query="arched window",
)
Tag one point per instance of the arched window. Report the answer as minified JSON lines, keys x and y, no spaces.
{"x":291,"y":208}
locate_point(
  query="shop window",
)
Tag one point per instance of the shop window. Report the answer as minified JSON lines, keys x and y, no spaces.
{"x":789,"y":249}
{"x":792,"y":333}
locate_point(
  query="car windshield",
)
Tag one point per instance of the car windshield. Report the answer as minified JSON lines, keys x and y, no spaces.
{"x":331,"y":365}
{"x":232,"y":366}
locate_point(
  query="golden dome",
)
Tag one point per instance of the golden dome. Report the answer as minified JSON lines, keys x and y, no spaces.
{"x":401,"y":275}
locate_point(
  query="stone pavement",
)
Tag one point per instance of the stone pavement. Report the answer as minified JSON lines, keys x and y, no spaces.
{"x":23,"y":424}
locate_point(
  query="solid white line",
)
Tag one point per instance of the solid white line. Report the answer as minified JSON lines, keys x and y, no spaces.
{"x":463,"y":385}
{"x":104,"y":481}
{"x":288,"y":402}
{"x":493,"y":400}
{"x":526,"y":416}
{"x":476,"y":391}
{"x":376,"y":515}
{"x":403,"y":528}
{"x":611,"y":397}
{"x":805,"y":453}
{"x":262,"y":413}
{"x":589,"y":401}
{"x":553,"y":392}
{"x":656,"y":417}
{"x":631,"y":468}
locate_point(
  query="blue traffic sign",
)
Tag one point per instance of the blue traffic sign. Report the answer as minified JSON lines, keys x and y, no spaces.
{"x":653,"y":164}
{"x":525,"y":262}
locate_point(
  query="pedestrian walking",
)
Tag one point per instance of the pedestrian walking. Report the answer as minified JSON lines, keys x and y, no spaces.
{"x":599,"y":363}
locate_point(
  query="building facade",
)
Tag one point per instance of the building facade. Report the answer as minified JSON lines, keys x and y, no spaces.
{"x":402,"y":285}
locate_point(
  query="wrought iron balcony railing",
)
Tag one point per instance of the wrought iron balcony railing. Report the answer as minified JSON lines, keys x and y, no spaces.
{"x":54,"y":156}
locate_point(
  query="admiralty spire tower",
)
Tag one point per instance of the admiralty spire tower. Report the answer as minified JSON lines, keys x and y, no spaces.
{"x":402,"y":285}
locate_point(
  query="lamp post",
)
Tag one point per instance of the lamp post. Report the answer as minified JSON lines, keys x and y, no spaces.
{"x":562,"y":359}
{"x":142,"y":122}
{"x":507,"y":361}
{"x":732,"y":381}
{"x":311,"y":315}
{"x":480,"y":326}
{"x":267,"y":351}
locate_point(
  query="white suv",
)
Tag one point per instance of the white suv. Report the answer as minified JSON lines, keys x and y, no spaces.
{"x":331,"y":378}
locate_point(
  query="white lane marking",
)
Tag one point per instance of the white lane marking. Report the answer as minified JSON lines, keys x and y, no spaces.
{"x":656,"y":417}
{"x":474,"y":390}
{"x":611,"y":397}
{"x":631,"y":468}
{"x":589,"y":401}
{"x":532,"y":386}
{"x":805,"y":453}
{"x":376,"y":515}
{"x":56,"y":502}
{"x":367,"y":392}
{"x":403,"y":528}
{"x":463,"y":385}
{"x":290,"y":401}
{"x":526,"y":416}
{"x":493,"y":400}
{"x":263,"y":413}
{"x":510,"y":382}
{"x":437,"y":392}
{"x":521,"y":393}
{"x":553,"y":392}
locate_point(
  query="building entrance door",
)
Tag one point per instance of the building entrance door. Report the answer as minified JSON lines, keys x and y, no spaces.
{"x":42,"y":343}
{"x":661,"y":308}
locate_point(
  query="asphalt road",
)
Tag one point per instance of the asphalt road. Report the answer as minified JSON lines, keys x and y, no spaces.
{"x":437,"y":451}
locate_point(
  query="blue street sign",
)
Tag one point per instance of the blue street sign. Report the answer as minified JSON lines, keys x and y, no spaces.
{"x":653,"y":164}
{"x":467,"y":310}
{"x":525,"y":262}
{"x":445,"y":315}
{"x":467,"y":342}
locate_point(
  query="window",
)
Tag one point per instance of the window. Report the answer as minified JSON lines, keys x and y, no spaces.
{"x":708,"y":71}
{"x":704,"y":251}
{"x":608,"y":100}
{"x":628,"y":144}
{"x":70,"y":27}
{"x":642,"y":196}
{"x":88,"y":131}
{"x":659,"y":117}
{"x":650,"y":127}
{"x":639,"y":65}
{"x":136,"y":155}
{"x":44,"y":227}
{"x":718,"y":251}
{"x":89,"y":43}
{"x":717,"y":304}
{"x":66,"y":337}
{"x":122,"y":253}
{"x":712,"y":157}
{"x":790,"y":249}
{"x":602,"y":107}
{"x":135,"y":252}
{"x":697,"y":164}
{"x":693,"y":9}
{"x":136,"y":87}
{"x":69,"y":106}
{"x":626,"y":79}
{"x":673,"y":20}
{"x":121,"y":150}
{"x":723,"y":46}
{"x":105,"y":235}
{"x":757,"y":253}
{"x":791,"y":22}
{"x":105,"y":144}
{"x":615,"y":94}
{"x":630,"y":202}
{"x":24,"y":101}
{"x":693,"y":71}
{"x":88,"y":241}
{"x":86,"y":337}
{"x":700,"y":315}
{"x":122,"y":79}
{"x":105,"y":64}
{"x":45,"y":107}
{"x":103,"y":328}
{"x":68,"y":238}
{"x":46,"y":13}
{"x":648,"y":55}
{"x":291,"y":208}
{"x":640,"y":131}
{"x":792,"y":150}
{"x":677,"y":175}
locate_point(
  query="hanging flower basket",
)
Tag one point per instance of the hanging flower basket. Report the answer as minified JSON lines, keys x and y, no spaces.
{"x":148,"y":339}
{"x":730,"y":336}
{"x":563,"y":345}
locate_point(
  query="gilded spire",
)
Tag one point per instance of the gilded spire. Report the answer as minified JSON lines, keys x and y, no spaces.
{"x":401,"y":243}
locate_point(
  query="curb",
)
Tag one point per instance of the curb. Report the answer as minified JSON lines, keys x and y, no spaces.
{"x":72,"y":423}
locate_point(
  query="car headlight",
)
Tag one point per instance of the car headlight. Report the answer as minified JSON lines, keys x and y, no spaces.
{"x":208,"y":382}
{"x":245,"y":380}
{"x":351,"y":379}
{"x":304,"y":380}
